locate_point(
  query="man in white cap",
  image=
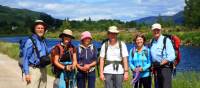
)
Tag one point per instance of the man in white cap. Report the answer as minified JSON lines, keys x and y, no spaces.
{"x":162,"y":58}
{"x":113,"y":60}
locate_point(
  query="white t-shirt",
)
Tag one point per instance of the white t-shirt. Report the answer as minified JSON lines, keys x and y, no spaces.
{"x":113,"y":54}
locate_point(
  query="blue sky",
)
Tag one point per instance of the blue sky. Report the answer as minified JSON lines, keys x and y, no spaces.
{"x":125,"y":10}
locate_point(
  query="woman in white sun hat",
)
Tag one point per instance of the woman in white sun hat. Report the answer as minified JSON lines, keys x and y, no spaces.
{"x":64,"y":61}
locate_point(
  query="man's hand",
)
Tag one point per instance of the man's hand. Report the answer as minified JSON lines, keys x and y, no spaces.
{"x":102,"y":77}
{"x":28,"y":79}
{"x":125,"y":76}
{"x":164,"y":62}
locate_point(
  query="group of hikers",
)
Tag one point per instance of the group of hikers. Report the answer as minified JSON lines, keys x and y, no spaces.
{"x":75,"y":66}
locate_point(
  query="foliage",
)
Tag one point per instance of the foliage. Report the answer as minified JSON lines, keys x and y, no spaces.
{"x":191,"y":13}
{"x":19,"y":21}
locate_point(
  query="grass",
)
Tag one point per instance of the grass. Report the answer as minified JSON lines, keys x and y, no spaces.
{"x":188,"y":37}
{"x":182,"y":80}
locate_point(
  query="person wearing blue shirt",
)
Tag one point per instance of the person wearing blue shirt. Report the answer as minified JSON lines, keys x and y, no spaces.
{"x":140,"y":61}
{"x":35,"y":75}
{"x":162,"y":58}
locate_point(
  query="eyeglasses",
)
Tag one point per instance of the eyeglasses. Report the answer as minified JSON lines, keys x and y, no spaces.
{"x":156,"y":30}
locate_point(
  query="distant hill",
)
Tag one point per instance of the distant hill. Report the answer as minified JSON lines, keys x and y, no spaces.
{"x":19,"y":21}
{"x":23,"y":18}
{"x":177,"y":19}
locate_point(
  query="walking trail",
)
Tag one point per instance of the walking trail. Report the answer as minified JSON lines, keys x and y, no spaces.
{"x":10,"y":74}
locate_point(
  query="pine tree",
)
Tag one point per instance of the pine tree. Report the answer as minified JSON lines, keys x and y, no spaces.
{"x":65,"y":24}
{"x":192,"y":13}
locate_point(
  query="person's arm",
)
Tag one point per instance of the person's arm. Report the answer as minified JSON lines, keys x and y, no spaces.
{"x":102,"y":56}
{"x":74,"y":58}
{"x":148,"y":64}
{"x":102,"y":68}
{"x":28,"y":52}
{"x":55,"y":59}
{"x":130,"y":59}
{"x":125,"y":61}
{"x":170,"y":53}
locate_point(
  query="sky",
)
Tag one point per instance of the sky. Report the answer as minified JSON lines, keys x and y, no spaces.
{"x":125,"y":10}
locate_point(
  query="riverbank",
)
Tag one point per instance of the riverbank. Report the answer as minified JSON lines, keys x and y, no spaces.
{"x":182,"y":80}
{"x":188,"y":38}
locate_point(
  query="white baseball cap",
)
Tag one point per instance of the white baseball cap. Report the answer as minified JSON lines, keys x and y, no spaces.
{"x":156,"y":26}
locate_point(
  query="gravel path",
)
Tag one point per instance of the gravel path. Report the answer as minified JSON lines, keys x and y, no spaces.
{"x":10,"y":74}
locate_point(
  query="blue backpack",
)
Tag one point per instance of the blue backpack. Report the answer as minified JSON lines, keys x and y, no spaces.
{"x":22,"y":43}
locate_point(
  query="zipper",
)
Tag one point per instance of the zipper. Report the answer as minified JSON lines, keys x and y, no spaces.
{"x":86,"y":53}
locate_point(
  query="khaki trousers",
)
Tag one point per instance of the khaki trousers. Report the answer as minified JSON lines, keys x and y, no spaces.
{"x":38,"y":78}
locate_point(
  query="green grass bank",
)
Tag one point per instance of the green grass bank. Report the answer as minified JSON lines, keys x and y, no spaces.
{"x":191,"y":38}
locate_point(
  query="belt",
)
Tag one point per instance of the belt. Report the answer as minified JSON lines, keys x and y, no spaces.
{"x":157,"y":65}
{"x":35,"y":66}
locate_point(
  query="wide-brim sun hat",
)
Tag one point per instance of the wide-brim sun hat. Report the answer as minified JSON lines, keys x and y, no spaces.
{"x":156,"y":26}
{"x":86,"y":34}
{"x":113,"y":29}
{"x":67,"y":33}
{"x":37,"y":22}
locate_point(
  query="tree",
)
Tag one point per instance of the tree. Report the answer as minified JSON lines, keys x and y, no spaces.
{"x":65,"y":24}
{"x":192,"y":13}
{"x":160,"y":20}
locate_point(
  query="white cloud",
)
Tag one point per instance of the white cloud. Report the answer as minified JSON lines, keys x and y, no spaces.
{"x":100,"y":9}
{"x":169,"y":13}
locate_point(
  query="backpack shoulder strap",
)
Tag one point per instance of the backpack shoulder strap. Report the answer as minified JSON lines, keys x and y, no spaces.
{"x":120,"y":47}
{"x":34,"y":46}
{"x":133,"y":51}
{"x":93,"y":49}
{"x":79,"y":49}
{"x":106,"y":48}
{"x":164,"y":43}
{"x":61,"y":49}
{"x":151,"y":42}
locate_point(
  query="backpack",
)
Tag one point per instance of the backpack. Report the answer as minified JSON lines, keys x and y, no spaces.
{"x":54,"y":69}
{"x":176,"y":42}
{"x":106,"y":48}
{"x":115,"y":63}
{"x":22,"y":43}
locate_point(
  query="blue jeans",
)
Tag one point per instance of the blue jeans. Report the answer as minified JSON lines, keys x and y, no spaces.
{"x":82,"y":78}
